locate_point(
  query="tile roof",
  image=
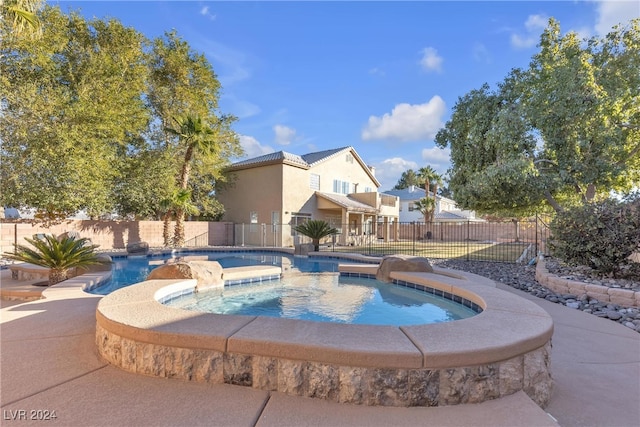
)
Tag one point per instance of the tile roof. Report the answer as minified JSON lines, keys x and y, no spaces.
{"x":306,"y":160}
{"x":414,"y":193}
{"x":461,"y":215}
{"x":313,"y":158}
{"x":271,"y":158}
{"x":346,"y":202}
{"x":410,"y":193}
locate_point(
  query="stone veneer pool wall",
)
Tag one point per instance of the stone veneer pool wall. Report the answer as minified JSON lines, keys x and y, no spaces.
{"x":500,"y":351}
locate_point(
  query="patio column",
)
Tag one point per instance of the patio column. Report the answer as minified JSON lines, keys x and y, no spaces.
{"x":396,"y":229}
{"x":385,"y":233}
{"x":345,"y":226}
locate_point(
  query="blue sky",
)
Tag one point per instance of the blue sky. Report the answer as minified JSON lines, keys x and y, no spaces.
{"x":382,"y":77}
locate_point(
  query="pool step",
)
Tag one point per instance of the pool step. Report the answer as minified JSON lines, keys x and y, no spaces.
{"x":250,"y":274}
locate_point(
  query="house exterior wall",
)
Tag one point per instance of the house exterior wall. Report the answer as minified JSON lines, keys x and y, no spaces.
{"x":408,"y":215}
{"x":256,"y":190}
{"x":297,"y":195}
{"x":287,"y":189}
{"x":290,"y":190}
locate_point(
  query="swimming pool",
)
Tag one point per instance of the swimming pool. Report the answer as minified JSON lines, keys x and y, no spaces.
{"x":327,"y":298}
{"x":134,"y":269}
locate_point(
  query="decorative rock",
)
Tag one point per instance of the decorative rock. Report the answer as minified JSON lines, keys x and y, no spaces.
{"x":105,"y":264}
{"x":137,"y":248}
{"x":574,"y":304}
{"x":404,"y":263}
{"x":73,"y":234}
{"x":600,"y":299}
{"x":613,"y":315}
{"x":303,"y":249}
{"x":207,"y":273}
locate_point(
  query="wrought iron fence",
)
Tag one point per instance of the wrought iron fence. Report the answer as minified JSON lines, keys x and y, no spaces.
{"x":512,"y":241}
{"x":200,"y":240}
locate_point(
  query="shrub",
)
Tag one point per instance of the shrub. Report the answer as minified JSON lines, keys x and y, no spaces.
{"x":57,"y":254}
{"x":316,"y":229}
{"x":600,"y":235}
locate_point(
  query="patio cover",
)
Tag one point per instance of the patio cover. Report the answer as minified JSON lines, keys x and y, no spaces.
{"x":344,"y":202}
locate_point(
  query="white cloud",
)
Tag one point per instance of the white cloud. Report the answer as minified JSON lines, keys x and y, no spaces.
{"x":407,"y":122}
{"x":253,"y":148}
{"x":205,"y":12}
{"x":284,"y":135}
{"x":431,"y":61}
{"x":612,"y":13}
{"x":534,"y":25}
{"x":438,"y":158}
{"x":389,"y":171}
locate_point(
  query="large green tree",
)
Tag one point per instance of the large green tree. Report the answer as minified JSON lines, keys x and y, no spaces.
{"x":565,"y":129}
{"x":19,"y":17}
{"x":407,"y":179}
{"x":72,"y":106}
{"x":183,"y":95}
{"x":84,"y":117}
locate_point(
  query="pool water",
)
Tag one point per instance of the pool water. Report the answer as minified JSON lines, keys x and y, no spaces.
{"x":129,"y":270}
{"x":327,"y":298}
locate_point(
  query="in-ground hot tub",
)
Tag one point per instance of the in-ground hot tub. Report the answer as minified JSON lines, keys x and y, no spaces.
{"x":500,"y":351}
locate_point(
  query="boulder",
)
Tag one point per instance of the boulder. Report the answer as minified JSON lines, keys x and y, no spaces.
{"x":137,"y":248}
{"x":303,"y":249}
{"x":208,"y":274}
{"x":69,"y":234}
{"x":105,"y":264}
{"x":402,"y":263}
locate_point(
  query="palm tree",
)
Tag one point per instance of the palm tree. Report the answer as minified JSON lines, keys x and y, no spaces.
{"x":58,"y":255}
{"x":429,"y":175}
{"x":316,"y":229}
{"x":22,"y":15}
{"x":426,"y":206}
{"x":183,"y":206}
{"x":166,"y":207}
{"x":196,"y":138}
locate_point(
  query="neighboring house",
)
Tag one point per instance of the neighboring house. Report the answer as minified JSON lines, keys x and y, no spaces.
{"x":282,"y":190}
{"x":446,"y":209}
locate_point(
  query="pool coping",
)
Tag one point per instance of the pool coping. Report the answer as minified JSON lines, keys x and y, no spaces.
{"x":508,"y":345}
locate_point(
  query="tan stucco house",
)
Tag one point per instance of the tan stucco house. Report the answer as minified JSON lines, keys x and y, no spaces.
{"x":274,"y":192}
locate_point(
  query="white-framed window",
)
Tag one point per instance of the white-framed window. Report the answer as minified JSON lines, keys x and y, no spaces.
{"x":298,"y":218}
{"x":341,"y":187}
{"x":253,"y":221}
{"x":314,"y":181}
{"x":412,"y":207}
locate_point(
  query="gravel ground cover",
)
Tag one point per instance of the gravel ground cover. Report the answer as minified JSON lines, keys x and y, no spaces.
{"x":522,"y":277}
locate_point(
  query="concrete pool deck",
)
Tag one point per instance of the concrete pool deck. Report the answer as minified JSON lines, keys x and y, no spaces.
{"x":49,"y":362}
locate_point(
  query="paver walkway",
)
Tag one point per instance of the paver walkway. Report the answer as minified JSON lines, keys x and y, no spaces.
{"x":48,"y":362}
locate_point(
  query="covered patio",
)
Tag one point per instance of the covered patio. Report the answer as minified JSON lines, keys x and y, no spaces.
{"x":360,"y":216}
